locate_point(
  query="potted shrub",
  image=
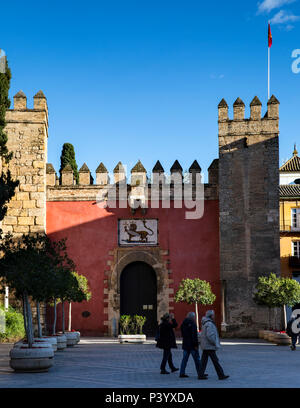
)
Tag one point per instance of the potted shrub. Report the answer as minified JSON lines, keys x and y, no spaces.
{"x":273,"y":291}
{"x":20,"y":267}
{"x":131,"y":329}
{"x":76,"y":293}
{"x":195,"y":291}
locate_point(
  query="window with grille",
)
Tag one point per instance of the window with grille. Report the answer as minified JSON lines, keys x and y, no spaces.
{"x":295,"y":218}
{"x":296,"y":249}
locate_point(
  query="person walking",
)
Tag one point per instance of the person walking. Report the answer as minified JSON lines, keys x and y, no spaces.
{"x":166,"y":341}
{"x":190,"y":344}
{"x":290,"y":330}
{"x":210,"y":343}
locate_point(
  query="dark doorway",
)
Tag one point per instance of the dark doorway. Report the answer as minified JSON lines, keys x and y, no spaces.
{"x":138,"y":294}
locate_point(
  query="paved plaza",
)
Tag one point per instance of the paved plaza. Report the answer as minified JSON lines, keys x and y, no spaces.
{"x":104,"y":363}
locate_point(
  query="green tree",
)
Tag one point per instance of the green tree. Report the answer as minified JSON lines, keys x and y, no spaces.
{"x":78,"y":293}
{"x":7,"y":184}
{"x":273,"y":291}
{"x":68,"y":157}
{"x":20,"y":270}
{"x":195,"y":291}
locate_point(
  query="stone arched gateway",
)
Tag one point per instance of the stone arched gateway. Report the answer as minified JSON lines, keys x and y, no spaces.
{"x":125,"y":256}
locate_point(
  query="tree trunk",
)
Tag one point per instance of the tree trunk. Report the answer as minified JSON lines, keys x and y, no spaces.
{"x":6,"y":298}
{"x":54,"y":322}
{"x":63,"y":315}
{"x":25,"y":315}
{"x":284,"y":317}
{"x":70,"y":317}
{"x":29,"y":322}
{"x":197,"y":319}
{"x":40,"y":334}
{"x":270,"y":328}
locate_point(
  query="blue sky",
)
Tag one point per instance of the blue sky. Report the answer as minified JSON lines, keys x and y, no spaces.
{"x":129,"y":80}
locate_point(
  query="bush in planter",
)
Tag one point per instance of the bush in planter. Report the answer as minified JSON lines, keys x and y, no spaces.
{"x":273,"y":291}
{"x":125,"y":324}
{"x":14,"y":325}
{"x":195,"y":291}
{"x":139,"y":323}
{"x":132,"y":324}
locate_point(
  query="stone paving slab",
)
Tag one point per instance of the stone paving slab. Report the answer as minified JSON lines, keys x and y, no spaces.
{"x":104,"y":363}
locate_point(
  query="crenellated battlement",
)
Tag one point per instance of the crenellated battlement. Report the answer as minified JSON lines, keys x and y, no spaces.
{"x":68,"y":190}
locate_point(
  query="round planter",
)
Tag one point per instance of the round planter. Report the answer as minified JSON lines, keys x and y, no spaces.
{"x":72,"y":338}
{"x":36,"y":359}
{"x":261,"y":334}
{"x":282,"y":339}
{"x":265,"y":334}
{"x":132,"y":338}
{"x":52,"y":340}
{"x":270,"y":336}
{"x":40,"y":344}
{"x":61,"y":341}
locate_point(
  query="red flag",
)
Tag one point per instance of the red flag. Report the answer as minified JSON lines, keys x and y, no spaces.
{"x":269,"y":36}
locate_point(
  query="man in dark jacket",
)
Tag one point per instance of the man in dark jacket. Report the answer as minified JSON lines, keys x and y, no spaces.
{"x":166,"y":341}
{"x":189,"y":344}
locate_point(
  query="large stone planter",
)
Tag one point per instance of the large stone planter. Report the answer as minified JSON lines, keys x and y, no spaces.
{"x":72,"y":338}
{"x":52,"y":340}
{"x":282,"y":339}
{"x":132,"y":338}
{"x":37,"y":344}
{"x":61,"y":341}
{"x":36,"y":359}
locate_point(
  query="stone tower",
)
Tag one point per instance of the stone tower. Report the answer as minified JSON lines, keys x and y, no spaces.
{"x":27,"y":131}
{"x":249,"y":213}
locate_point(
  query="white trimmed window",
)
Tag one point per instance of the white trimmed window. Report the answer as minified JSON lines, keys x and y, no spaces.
{"x":295,"y":218}
{"x":296,"y":248}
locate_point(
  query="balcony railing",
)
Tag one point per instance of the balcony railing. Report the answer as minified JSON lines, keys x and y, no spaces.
{"x":294,"y":261}
{"x":287,"y":227}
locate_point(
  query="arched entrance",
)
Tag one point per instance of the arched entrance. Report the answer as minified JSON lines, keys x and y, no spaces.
{"x":138,"y":294}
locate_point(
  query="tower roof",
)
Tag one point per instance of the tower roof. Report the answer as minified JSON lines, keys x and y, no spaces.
{"x":138,"y":168}
{"x":101,"y":168}
{"x":238,"y":102}
{"x":223,"y":104}
{"x":20,"y":94}
{"x":273,"y":101}
{"x":176,"y":167}
{"x":293,"y":164}
{"x":119,"y":168}
{"x":67,"y":168}
{"x":195,"y":168}
{"x":255,"y":102}
{"x":84,"y":168}
{"x":158,"y":168}
{"x":49,"y":168}
{"x":40,"y":94}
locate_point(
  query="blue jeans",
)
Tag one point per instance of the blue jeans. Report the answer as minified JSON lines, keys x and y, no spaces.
{"x":186,"y":355}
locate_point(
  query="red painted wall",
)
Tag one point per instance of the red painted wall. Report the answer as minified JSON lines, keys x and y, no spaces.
{"x":92,"y":232}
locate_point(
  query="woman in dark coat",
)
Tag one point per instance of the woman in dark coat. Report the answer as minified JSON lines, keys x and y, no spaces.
{"x":166,"y":341}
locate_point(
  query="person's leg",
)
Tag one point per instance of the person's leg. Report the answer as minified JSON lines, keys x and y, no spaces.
{"x":164,"y":359}
{"x":196,"y":357}
{"x":203,"y":363}
{"x":170,"y":362}
{"x":294,"y":341}
{"x":215,"y":360}
{"x":184,"y":361}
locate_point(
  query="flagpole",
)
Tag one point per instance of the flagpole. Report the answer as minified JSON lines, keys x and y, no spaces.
{"x":269,"y":56}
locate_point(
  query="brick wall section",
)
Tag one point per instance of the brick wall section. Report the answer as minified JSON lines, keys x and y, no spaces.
{"x":27,"y":131}
{"x":249,"y":213}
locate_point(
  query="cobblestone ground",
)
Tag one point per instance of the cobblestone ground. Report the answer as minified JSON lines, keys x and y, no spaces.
{"x":104,"y":363}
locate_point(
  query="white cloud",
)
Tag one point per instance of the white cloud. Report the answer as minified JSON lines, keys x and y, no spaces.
{"x":269,"y":5}
{"x":283,"y":17}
